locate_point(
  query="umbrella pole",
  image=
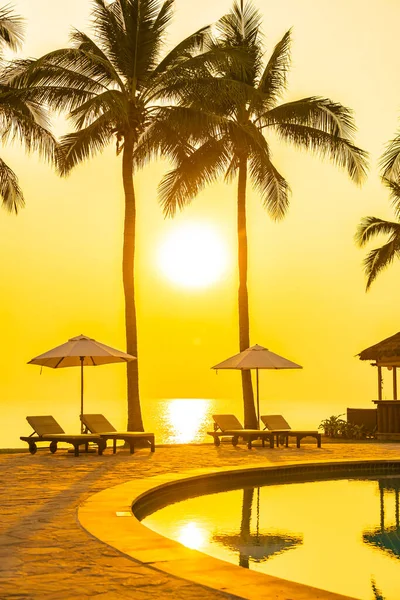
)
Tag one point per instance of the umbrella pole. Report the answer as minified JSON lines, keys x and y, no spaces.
{"x":81,"y":358}
{"x":258,"y":401}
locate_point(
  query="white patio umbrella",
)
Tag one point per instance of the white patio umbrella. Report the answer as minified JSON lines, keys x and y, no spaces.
{"x":81,"y":351}
{"x":257,"y":357}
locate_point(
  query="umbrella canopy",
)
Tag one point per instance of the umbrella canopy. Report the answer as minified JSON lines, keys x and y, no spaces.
{"x":257,"y":357}
{"x":261,"y":546}
{"x":81,"y":351}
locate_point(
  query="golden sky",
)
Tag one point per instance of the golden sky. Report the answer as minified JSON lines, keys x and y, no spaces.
{"x":61,"y":257}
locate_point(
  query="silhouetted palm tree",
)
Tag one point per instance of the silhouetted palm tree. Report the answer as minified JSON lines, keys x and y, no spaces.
{"x":245,"y":111}
{"x":21,"y":119}
{"x":116,"y":86}
{"x":379,"y":258}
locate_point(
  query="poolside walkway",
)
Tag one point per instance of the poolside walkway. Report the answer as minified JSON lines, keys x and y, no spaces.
{"x":45,"y":553}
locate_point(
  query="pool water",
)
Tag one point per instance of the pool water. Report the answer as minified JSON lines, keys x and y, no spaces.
{"x":338,"y":535}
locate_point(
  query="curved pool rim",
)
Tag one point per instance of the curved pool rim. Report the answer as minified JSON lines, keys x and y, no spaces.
{"x":111,"y":516}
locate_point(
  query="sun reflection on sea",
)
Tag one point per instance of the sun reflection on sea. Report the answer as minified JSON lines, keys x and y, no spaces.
{"x":186,"y":420}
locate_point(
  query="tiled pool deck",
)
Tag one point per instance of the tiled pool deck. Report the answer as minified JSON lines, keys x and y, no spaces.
{"x":45,"y":552}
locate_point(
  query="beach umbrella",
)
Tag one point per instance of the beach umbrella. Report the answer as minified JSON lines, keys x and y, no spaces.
{"x":81,"y":351}
{"x":256,"y":357}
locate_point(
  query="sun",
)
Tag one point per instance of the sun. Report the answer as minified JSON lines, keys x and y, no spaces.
{"x":193,"y":256}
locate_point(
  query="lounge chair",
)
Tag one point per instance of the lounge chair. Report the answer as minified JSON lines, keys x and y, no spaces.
{"x":229,"y":426}
{"x":100,"y":425}
{"x":277,"y":425}
{"x":48,"y":430}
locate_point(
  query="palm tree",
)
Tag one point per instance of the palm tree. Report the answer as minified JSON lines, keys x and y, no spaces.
{"x":237,"y":145}
{"x":380,"y":258}
{"x":115,"y":87}
{"x":21,"y":119}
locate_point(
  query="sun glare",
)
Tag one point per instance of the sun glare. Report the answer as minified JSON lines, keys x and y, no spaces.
{"x":192,"y":536}
{"x":185,"y":418}
{"x":193,"y":256}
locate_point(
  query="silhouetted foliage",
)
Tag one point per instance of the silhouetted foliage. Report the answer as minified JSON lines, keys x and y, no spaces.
{"x":380,"y":258}
{"x":117,"y":86}
{"x":234,"y":139}
{"x":22,"y":119}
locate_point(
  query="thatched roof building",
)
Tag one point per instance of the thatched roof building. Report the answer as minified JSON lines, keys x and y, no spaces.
{"x":387,"y":351}
{"x":385,"y":354}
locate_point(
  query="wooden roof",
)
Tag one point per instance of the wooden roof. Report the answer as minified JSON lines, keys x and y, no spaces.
{"x":387,"y":350}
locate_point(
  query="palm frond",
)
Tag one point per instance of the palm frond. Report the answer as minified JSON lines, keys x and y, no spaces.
{"x":10,"y":192}
{"x":86,"y":44}
{"x":183,"y":50}
{"x":164,"y":17}
{"x":371,"y":227}
{"x":112,"y":102}
{"x":68,"y":67}
{"x":390,"y":159}
{"x":76,"y":147}
{"x":240,"y":26}
{"x":19,"y":101}
{"x":201,"y":167}
{"x":219,"y":95}
{"x":11,"y":28}
{"x":315,"y":112}
{"x":380,"y":258}
{"x":274,"y":189}
{"x":394,"y":188}
{"x":340,"y":150}
{"x":232,"y":168}
{"x":158,"y":29}
{"x":194,"y":126}
{"x":110,"y":31}
{"x":241,"y":30}
{"x":161,"y":139}
{"x":16,"y":125}
{"x":273,"y":80}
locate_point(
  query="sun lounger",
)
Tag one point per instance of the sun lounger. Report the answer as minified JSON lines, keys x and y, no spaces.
{"x":229,"y":426}
{"x":100,"y":425}
{"x":277,"y":425}
{"x":46,"y":429}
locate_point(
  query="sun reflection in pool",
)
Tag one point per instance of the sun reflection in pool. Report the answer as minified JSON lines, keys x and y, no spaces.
{"x":187,"y":419}
{"x":192,"y":536}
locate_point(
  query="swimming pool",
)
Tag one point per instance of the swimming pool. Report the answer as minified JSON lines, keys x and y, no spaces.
{"x":340,"y":535}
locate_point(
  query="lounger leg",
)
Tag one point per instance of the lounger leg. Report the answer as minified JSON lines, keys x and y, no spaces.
{"x":298,"y":438}
{"x":319,"y":440}
{"x":271,"y":441}
{"x":152,"y":445}
{"x":32,"y":448}
{"x":235,"y":440}
{"x":86,"y":449}
{"x":217,"y":441}
{"x":287,"y":441}
{"x":263,"y":442}
{"x":249,"y":444}
{"x":76,"y":447}
{"x":131,"y":447}
{"x":53,"y":447}
{"x":114,"y":446}
{"x":101,"y":446}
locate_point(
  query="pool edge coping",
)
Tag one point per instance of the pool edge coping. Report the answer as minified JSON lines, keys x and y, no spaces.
{"x":108,"y":516}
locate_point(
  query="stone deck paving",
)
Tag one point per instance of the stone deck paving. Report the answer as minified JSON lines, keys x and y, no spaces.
{"x":46,"y":554}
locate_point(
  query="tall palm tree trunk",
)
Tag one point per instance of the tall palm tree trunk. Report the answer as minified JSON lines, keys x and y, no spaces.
{"x":250,"y":419}
{"x":135,"y":422}
{"x":245,"y":534}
